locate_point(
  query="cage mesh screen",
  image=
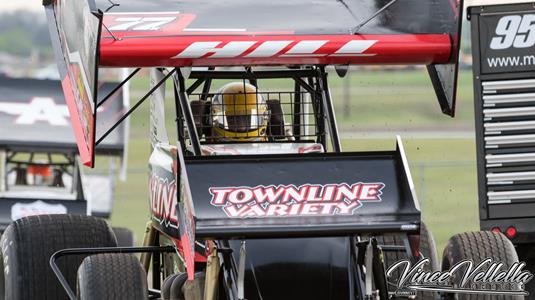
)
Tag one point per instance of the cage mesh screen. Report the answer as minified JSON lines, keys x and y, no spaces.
{"x":269,"y":116}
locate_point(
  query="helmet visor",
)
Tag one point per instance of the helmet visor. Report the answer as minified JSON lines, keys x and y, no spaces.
{"x":240,"y":123}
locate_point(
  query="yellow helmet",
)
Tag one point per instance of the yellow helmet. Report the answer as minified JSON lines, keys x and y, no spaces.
{"x":239,"y":113}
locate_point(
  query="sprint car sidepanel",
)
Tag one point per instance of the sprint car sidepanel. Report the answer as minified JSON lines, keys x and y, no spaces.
{"x":298,"y":268}
{"x":293,"y":195}
{"x":163,"y":190}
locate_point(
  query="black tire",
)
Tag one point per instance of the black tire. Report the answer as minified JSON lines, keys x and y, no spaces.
{"x":28,"y":243}
{"x":427,"y":249}
{"x":176,"y":287}
{"x":166,"y":286}
{"x":390,"y":257}
{"x":477,"y":246}
{"x":112,"y":276}
{"x":125,"y":237}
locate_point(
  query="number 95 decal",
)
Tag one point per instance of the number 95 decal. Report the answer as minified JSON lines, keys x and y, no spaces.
{"x":514,"y":31}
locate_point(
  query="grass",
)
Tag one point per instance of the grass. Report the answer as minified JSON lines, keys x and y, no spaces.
{"x":443,"y":169}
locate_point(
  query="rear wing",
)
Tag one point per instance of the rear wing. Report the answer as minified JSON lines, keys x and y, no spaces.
{"x":275,"y":196}
{"x":34,"y":114}
{"x":190,"y":33}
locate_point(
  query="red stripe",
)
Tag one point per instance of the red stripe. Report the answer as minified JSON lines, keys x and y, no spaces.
{"x":389,"y":49}
{"x":199,"y":257}
{"x":84,"y":147}
{"x":189,"y":256}
{"x":454,"y":7}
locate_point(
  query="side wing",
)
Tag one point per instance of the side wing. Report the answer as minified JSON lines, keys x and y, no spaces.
{"x":75,"y":33}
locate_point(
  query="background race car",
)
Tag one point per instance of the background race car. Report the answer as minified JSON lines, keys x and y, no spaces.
{"x":40,"y":172}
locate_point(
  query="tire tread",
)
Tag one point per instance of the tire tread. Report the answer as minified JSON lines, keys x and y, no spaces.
{"x":30,"y":242}
{"x":112,"y":276}
{"x":478,"y":246}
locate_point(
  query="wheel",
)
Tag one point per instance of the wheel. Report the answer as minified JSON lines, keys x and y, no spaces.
{"x":478,"y":246}
{"x":28,"y":243}
{"x":125,"y":237}
{"x":427,"y":249}
{"x":166,"y":286}
{"x":112,"y":276}
{"x":390,"y":257}
{"x":177,"y":287}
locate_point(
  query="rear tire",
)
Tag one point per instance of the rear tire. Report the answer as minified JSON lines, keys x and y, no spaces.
{"x":125,"y":237}
{"x":28,"y":243}
{"x":478,"y":246}
{"x":112,"y":276}
{"x":428,"y":249}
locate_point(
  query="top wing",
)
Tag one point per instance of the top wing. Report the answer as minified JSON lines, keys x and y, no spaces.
{"x":241,"y":32}
{"x":170,"y":33}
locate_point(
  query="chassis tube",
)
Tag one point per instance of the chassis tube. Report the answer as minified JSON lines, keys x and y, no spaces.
{"x":186,"y":111}
{"x":149,"y":239}
{"x":329,"y":110}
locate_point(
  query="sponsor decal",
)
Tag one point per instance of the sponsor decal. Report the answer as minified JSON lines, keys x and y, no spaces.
{"x":264,"y":49}
{"x":290,"y":200}
{"x":465,"y":277}
{"x":507,"y":42}
{"x":165,"y":23}
{"x":163,"y":200}
{"x":138,"y":23}
{"x":514,"y":31}
{"x":39,"y":109}
{"x":21,"y":210}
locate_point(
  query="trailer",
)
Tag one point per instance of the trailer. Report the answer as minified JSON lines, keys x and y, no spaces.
{"x":504,"y":89}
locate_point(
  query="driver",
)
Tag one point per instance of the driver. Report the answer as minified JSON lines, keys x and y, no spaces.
{"x":239,"y":113}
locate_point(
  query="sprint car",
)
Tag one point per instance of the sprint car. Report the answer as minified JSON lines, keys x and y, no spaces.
{"x":40,"y":172}
{"x":284,"y":215}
